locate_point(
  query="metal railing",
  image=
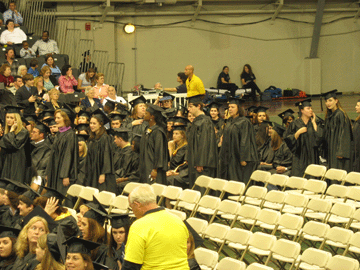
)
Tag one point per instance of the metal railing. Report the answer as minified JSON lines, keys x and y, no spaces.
{"x":115,"y":76}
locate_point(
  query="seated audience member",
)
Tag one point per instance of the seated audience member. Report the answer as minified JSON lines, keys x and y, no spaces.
{"x":54,"y":95}
{"x":113,"y":97}
{"x":90,"y":99}
{"x":181,"y":78}
{"x":26,"y":52}
{"x":41,"y":90}
{"x":67,"y":80}
{"x":55,"y":70}
{"x":46,"y":46}
{"x":22,"y":70}
{"x":5,"y":76}
{"x":13,"y":14}
{"x":86,"y":63}
{"x":50,"y":81}
{"x":11,"y":61}
{"x":33,"y":68}
{"x":12,"y":35}
{"x":224,"y":81}
{"x":86,"y":79}
{"x":8,"y":237}
{"x":248,"y":80}
{"x":18,"y":82}
{"x":48,"y":252}
{"x":26,"y":95}
{"x":101,"y":89}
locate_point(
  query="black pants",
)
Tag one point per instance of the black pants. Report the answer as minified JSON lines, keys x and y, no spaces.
{"x":232,"y":87}
{"x":254,"y":89}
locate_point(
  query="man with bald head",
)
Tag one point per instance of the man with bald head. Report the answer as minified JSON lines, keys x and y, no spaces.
{"x":194,"y":84}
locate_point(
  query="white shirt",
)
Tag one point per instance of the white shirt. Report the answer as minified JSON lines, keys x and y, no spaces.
{"x":46,"y":47}
{"x":17,"y":36}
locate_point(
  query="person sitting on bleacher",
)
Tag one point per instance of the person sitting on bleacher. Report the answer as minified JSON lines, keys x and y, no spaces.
{"x":101,"y":89}
{"x":22,"y":71}
{"x":49,"y":80}
{"x":5,"y":76}
{"x":13,"y":14}
{"x":12,"y":35}
{"x":55,"y":70}
{"x":33,"y":68}
{"x":26,"y":52}
{"x":46,"y":46}
{"x":67,"y":80}
{"x":11,"y":61}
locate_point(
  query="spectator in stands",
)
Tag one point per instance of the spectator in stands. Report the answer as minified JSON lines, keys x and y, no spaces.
{"x":26,"y":95}
{"x":22,"y":70}
{"x":90,"y":99}
{"x":5,"y":76}
{"x":86,"y":64}
{"x":41,"y":90}
{"x":101,"y":89}
{"x":49,"y":80}
{"x":181,"y":78}
{"x":55,"y":70}
{"x":224,"y":81}
{"x":113,"y":97}
{"x":12,"y":35}
{"x":194,"y":85}
{"x":26,"y":52}
{"x":18,"y":82}
{"x":33,"y":68}
{"x":46,"y":46}
{"x":248,"y":80}
{"x":86,"y":79}
{"x":67,"y":80}
{"x":11,"y":61}
{"x":13,"y":14}
{"x":54,"y":95}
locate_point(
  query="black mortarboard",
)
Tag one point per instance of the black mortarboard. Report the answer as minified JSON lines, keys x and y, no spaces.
{"x":31,"y":194}
{"x":119,"y":220}
{"x":183,"y":109}
{"x":288,"y":112}
{"x":42,"y":128}
{"x":251,"y":109}
{"x":8,"y":232}
{"x":50,"y":192}
{"x":14,"y":186}
{"x":13,"y":109}
{"x":120,"y":130}
{"x":98,"y":266}
{"x":96,"y":212}
{"x":81,"y":127}
{"x":170,"y":119}
{"x":181,"y":120}
{"x":167,"y":96}
{"x":261,"y":109}
{"x":102,"y":115}
{"x":53,"y":246}
{"x":69,"y":111}
{"x":180,"y":127}
{"x":138,"y":100}
{"x":38,"y":211}
{"x":84,"y":113}
{"x":50,"y":121}
{"x":23,"y":119}
{"x":195,"y":99}
{"x":82,"y":137}
{"x":237,"y":101}
{"x":303,"y":103}
{"x":279,"y":129}
{"x":214,"y":104}
{"x":154,"y":109}
{"x":170,"y":112}
{"x":111,"y":104}
{"x":79,"y":245}
{"x":30,"y":117}
{"x":330,"y":94}
{"x":117,"y":116}
{"x":47,"y":113}
{"x":266,"y":122}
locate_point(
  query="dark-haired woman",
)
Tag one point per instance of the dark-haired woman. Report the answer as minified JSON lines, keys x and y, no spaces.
{"x":356,"y":134}
{"x":248,"y":80}
{"x":86,"y":79}
{"x":282,"y":155}
{"x":63,"y":163}
{"x":337,"y":134}
{"x":181,"y":78}
{"x":224,"y":81}
{"x":67,"y":80}
{"x":99,"y":167}
{"x":7,"y":251}
{"x":11,"y":216}
{"x":263,"y":142}
{"x":55,"y":70}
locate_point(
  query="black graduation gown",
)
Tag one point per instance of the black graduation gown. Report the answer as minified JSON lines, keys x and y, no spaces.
{"x":29,"y":262}
{"x":266,"y":154}
{"x":9,"y":220}
{"x":99,"y":160}
{"x":126,"y":164}
{"x":239,"y":144}
{"x":68,"y":226}
{"x":81,"y":171}
{"x":283,"y":157}
{"x":3,"y":262}
{"x":356,"y":134}
{"x":40,"y":156}
{"x":177,"y":159}
{"x":63,"y":162}
{"x":193,"y":265}
{"x":203,"y":150}
{"x":306,"y":148}
{"x":13,"y":151}
{"x":338,"y":140}
{"x":154,"y":154}
{"x":138,"y":129}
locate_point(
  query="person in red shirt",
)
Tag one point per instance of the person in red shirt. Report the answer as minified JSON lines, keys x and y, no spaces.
{"x":5,"y":75}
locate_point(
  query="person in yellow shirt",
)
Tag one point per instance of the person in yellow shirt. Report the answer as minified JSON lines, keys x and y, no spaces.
{"x":194,"y":84}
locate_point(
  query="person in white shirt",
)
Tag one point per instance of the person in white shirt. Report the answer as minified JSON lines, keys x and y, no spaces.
{"x":12,"y":35}
{"x":45,"y":45}
{"x":113,"y":97}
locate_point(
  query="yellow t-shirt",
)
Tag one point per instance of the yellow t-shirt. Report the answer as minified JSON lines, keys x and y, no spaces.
{"x":195,"y":86}
{"x":158,"y":241}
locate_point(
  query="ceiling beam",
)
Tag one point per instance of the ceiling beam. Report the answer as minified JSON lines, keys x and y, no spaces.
{"x":280,"y":4}
{"x":197,"y":11}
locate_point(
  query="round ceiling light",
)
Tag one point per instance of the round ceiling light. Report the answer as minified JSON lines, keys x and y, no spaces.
{"x":129,"y":28}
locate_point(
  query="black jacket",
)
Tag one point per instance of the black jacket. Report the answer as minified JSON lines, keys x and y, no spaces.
{"x":22,"y":95}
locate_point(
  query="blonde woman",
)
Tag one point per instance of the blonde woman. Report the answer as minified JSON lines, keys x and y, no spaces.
{"x":22,"y":70}
{"x":26,"y":244}
{"x":13,"y":145}
{"x":53,"y":103}
{"x":48,"y":253}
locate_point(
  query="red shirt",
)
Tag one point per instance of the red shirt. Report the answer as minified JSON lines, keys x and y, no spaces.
{"x":6,"y":80}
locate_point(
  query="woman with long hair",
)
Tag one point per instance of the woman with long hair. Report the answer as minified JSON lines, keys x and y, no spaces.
{"x":55,"y":70}
{"x":62,"y":168}
{"x":82,"y":138}
{"x":136,"y":120}
{"x":14,"y":146}
{"x":8,"y":237}
{"x":260,"y":116}
{"x":224,"y":82}
{"x":48,"y":253}
{"x":41,"y":90}
{"x":263,"y":141}
{"x":78,"y":254}
{"x":50,"y":81}
{"x":99,"y":167}
{"x":337,"y":134}
{"x":238,"y":153}
{"x":11,"y":216}
{"x":86,"y":79}
{"x":282,"y":160}
{"x":248,"y":80}
{"x":356,"y":134}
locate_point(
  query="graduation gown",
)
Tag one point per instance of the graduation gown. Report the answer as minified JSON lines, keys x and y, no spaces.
{"x":203,"y":150}
{"x":177,"y":159}
{"x":29,"y":262}
{"x":138,"y":129}
{"x":81,"y":171}
{"x":338,"y":140}
{"x":14,"y":153}
{"x":239,"y":144}
{"x":99,"y":160}
{"x":63,"y":161}
{"x":68,"y":226}
{"x":3,"y":262}
{"x":356,"y":134}
{"x":282,"y":157}
{"x":154,"y":154}
{"x":40,"y":156}
{"x":8,"y":219}
{"x":126,"y":164}
{"x":266,"y":154}
{"x":306,"y":148}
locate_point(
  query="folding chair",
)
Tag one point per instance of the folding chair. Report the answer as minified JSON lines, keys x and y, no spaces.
{"x":315,"y":170}
{"x":274,"y":199}
{"x":317,"y":209}
{"x":335,"y":175}
{"x":267,"y":219}
{"x":296,"y":184}
{"x":228,"y":263}
{"x":158,"y":189}
{"x":199,"y":225}
{"x":254,"y":195}
{"x":119,"y":205}
{"x":336,"y":238}
{"x":169,"y":192}
{"x":74,"y":191}
{"x":289,"y":224}
{"x":105,"y":197}
{"x":216,"y":233}
{"x":339,"y":262}
{"x":335,"y":193}
{"x":314,"y":232}
{"x":206,"y":206}
{"x":258,"y":176}
{"x":188,"y":199}
{"x":295,"y":203}
{"x":129,"y":187}
{"x":236,"y":239}
{"x":235,"y":188}
{"x":352,"y":178}
{"x":353,"y":247}
{"x":177,"y":213}
{"x":340,"y":213}
{"x":313,"y":186}
{"x":260,"y":245}
{"x":353,"y":196}
{"x":246,"y":213}
{"x":225,"y":207}
{"x":284,"y":251}
{"x":218,"y":184}
{"x":258,"y":266}
{"x":73,"y":213}
{"x":203,"y":182}
{"x":355,"y":217}
{"x":86,"y":194}
{"x":206,"y":258}
{"x":313,"y":258}
{"x":277,"y":180}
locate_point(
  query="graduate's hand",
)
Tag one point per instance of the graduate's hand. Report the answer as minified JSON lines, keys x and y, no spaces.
{"x":51,"y":206}
{"x":153,"y":174}
{"x":339,"y":157}
{"x":121,"y":179}
{"x":13,"y":127}
{"x":243,"y":163}
{"x":280,"y":169}
{"x":199,"y":168}
{"x":300,"y":131}
{"x":102,"y":178}
{"x":137,"y":122}
{"x":66,"y":182}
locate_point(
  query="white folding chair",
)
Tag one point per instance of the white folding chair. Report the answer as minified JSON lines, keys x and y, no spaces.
{"x":295,"y":203}
{"x":158,"y":189}
{"x":235,"y":188}
{"x":206,"y":258}
{"x":335,"y":193}
{"x":354,"y":221}
{"x":228,"y":263}
{"x":203,"y":182}
{"x":353,"y":196}
{"x":313,"y":186}
{"x":246,"y":215}
{"x":119,"y":205}
{"x":178,"y":213}
{"x":258,"y":176}
{"x":295,"y":184}
{"x":314,"y":232}
{"x":267,"y":219}
{"x":206,"y":206}
{"x":170,"y":192}
{"x":353,"y":246}
{"x":187,"y":200}
{"x":289,"y":224}
{"x":339,"y":262}
{"x":259,"y":244}
{"x":277,"y":180}
{"x":73,"y":213}
{"x":74,"y":191}
{"x":129,"y":187}
{"x":284,"y":251}
{"x":216,"y":233}
{"x":336,"y":238}
{"x":258,"y":266}
{"x":218,"y":184}
{"x":105,"y":197}
{"x":315,"y":170}
{"x":225,"y":207}
{"x":254,"y":195}
{"x":87,"y":193}
{"x":237,"y":239}
{"x":199,"y":225}
{"x":274,"y":199}
{"x":352,"y":178}
{"x":317,"y":209}
{"x":340,"y":213}
{"x":335,"y":175}
{"x":313,"y":258}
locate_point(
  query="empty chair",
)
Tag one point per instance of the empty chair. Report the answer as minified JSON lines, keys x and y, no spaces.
{"x":258,"y":266}
{"x":285,"y":251}
{"x":317,"y":209}
{"x":229,"y":263}
{"x":259,"y":244}
{"x":339,"y":262}
{"x":158,"y":189}
{"x":353,"y":196}
{"x":267,"y":219}
{"x":295,"y":183}
{"x":277,"y":180}
{"x":199,"y":225}
{"x":254,"y":195}
{"x":340,"y":213}
{"x":246,"y":212}
{"x":335,"y":175}
{"x":352,"y":178}
{"x":203,"y":182}
{"x":218,"y":184}
{"x":216,"y":233}
{"x":289,"y":224}
{"x":314,"y":170}
{"x":354,"y":221}
{"x":87,"y":193}
{"x":336,"y":193}
{"x":74,"y":190}
{"x":236,"y":188}
{"x":206,"y":206}
{"x":313,"y":258}
{"x":206,"y":257}
{"x":259,"y":176}
{"x":170,"y":192}
{"x":353,"y":245}
{"x":295,"y":204}
{"x":226,"y":207}
{"x":119,"y":205}
{"x":105,"y":197}
{"x":313,"y":186}
{"x":314,"y":232}
{"x":237,"y":240}
{"x":274,"y":199}
{"x":188,"y":199}
{"x":129,"y":187}
{"x":337,"y":238}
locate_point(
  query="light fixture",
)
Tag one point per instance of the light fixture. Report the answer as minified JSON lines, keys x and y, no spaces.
{"x":129,"y":28}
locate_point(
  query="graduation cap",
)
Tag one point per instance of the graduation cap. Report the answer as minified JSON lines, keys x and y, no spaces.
{"x":167,"y":96}
{"x":82,"y":137}
{"x":252,"y":109}
{"x":154,"y":109}
{"x":53,"y":246}
{"x":195,"y":99}
{"x":170,"y":112}
{"x":122,"y":109}
{"x":30,"y":117}
{"x":42,"y":128}
{"x":235,"y":100}
{"x":181,"y":120}
{"x":97,"y":212}
{"x":102,"y":115}
{"x":38,"y":211}
{"x":84,"y":113}
{"x":330,"y":94}
{"x":180,"y":127}
{"x":81,"y":127}
{"x":8,"y":232}
{"x":117,"y":131}
{"x":14,"y":186}
{"x":23,"y":119}
{"x":79,"y":245}
{"x":303,"y":103}
{"x":31,"y":194}
{"x":50,"y":192}
{"x":279,"y":129}
{"x":287,"y":113}
{"x":120,"y":220}
{"x":117,"y":116}
{"x":111,"y":104}
{"x":47,"y":113}
{"x":13,"y":109}
{"x":98,"y":266}
{"x":50,"y":121}
{"x":138,"y":100}
{"x":261,"y":109}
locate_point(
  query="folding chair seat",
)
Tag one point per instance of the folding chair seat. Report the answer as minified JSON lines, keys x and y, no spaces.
{"x":226,"y":207}
{"x":314,"y":231}
{"x":259,"y":244}
{"x":258,"y":176}
{"x":274,"y":199}
{"x":313,"y":258}
{"x":353,"y":196}
{"x":246,"y":215}
{"x":337,"y":238}
{"x":353,"y":245}
{"x":235,"y":188}
{"x":203,"y":182}
{"x":354,"y":221}
{"x":169,"y":192}
{"x":258,"y":266}
{"x":289,"y":224}
{"x":296,"y":184}
{"x":315,"y":170}
{"x":335,"y":175}
{"x":61,"y":60}
{"x":87,"y":193}
{"x":228,"y":263}
{"x":74,"y":190}
{"x":237,"y":239}
{"x":295,"y":203}
{"x":335,"y":193}
{"x":105,"y":197}
{"x":317,"y":209}
{"x":339,"y":262}
{"x":216,"y":233}
{"x":180,"y":214}
{"x":129,"y":187}
{"x":277,"y":180}
{"x":158,"y":189}
{"x":119,"y":205}
{"x":206,"y":258}
{"x":352,"y":178}
{"x":285,"y":251}
{"x":313,"y":186}
{"x":206,"y":206}
{"x":218,"y":184}
{"x":32,"y":39}
{"x":340,"y":213}
{"x":254,"y":195}
{"x":187,"y":200}
{"x":199,"y":225}
{"x":267,"y":219}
